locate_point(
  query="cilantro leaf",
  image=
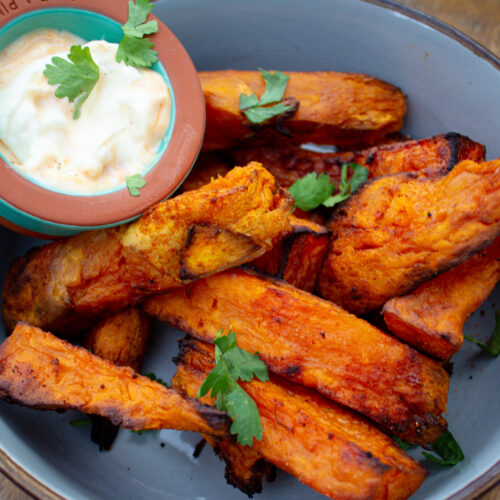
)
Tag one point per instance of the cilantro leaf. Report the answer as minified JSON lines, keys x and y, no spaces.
{"x":492,"y":347}
{"x":276,"y":83}
{"x":311,"y":191}
{"x":81,"y":422}
{"x":255,"y":109}
{"x":245,"y":414}
{"x":137,"y":15}
{"x":134,"y":183}
{"x":402,"y":444}
{"x":134,"y":50}
{"x":447,"y":448}
{"x":233,"y":364}
{"x":154,"y":378}
{"x":75,"y":78}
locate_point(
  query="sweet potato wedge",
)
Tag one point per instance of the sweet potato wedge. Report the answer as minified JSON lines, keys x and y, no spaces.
{"x":327,"y":447}
{"x":316,"y":343}
{"x":334,"y":108}
{"x":398,"y":231}
{"x":68,"y":284}
{"x":432,"y":317}
{"x":120,"y":338}
{"x":298,"y":258}
{"x":44,"y":372}
{"x":434,"y":155}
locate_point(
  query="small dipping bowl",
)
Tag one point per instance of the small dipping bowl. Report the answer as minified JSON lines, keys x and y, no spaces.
{"x":28,"y":207}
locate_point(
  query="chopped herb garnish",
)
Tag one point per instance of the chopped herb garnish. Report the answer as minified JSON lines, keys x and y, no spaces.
{"x":314,"y":190}
{"x":402,"y":444}
{"x":258,"y":110}
{"x":492,"y":347}
{"x":81,"y":422}
{"x":233,"y":364}
{"x":134,"y":183}
{"x":134,"y":49}
{"x":75,"y":78}
{"x":447,"y":448}
{"x":154,"y":378}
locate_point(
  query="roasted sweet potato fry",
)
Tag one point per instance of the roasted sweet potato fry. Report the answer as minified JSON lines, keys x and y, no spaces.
{"x":208,"y":166}
{"x":316,"y":343}
{"x":68,"y":284}
{"x":297,"y":259}
{"x":333,"y":108}
{"x":325,"y":446}
{"x":288,"y":162}
{"x":120,"y":338}
{"x":432,"y":317}
{"x":44,"y":372}
{"x":398,"y":231}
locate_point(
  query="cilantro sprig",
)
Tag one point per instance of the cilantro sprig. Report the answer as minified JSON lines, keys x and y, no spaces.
{"x":314,"y":190}
{"x":135,"y":49}
{"x":233,"y":364}
{"x":75,"y":78}
{"x":134,"y":183}
{"x":446,"y":447}
{"x":492,"y":346}
{"x":154,"y":378}
{"x":258,"y":110}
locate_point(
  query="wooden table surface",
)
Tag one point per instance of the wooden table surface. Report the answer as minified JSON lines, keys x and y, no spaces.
{"x":478,"y":19}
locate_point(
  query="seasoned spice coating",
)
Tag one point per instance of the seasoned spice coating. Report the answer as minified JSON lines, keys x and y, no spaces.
{"x":400,"y":230}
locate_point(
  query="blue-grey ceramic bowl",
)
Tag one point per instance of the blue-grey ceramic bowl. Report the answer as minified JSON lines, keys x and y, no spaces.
{"x":33,"y":208}
{"x":452,"y":85}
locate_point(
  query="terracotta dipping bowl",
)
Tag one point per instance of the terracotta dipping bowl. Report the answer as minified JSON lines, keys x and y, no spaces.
{"x":32,"y":209}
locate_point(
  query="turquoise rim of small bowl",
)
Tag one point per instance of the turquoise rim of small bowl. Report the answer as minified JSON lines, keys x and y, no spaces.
{"x":89,"y":26}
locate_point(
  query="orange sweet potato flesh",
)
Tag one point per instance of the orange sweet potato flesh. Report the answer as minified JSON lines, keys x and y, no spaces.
{"x":316,"y":343}
{"x":334,"y":108}
{"x":298,"y":258}
{"x":431,"y":156}
{"x":327,"y":447}
{"x":69,"y":284}
{"x":120,"y":338}
{"x":44,"y":372}
{"x":398,"y":231}
{"x":432,"y":317}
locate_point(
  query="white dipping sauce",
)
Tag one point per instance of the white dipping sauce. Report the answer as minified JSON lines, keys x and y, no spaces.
{"x":118,"y":133}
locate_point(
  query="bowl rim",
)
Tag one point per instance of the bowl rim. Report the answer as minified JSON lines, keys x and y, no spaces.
{"x":162,"y":179}
{"x":481,"y":484}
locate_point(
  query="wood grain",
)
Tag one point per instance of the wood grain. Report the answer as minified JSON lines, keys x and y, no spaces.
{"x":479,"y":20}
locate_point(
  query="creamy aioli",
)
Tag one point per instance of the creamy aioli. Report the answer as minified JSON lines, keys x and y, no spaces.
{"x":118,"y":133}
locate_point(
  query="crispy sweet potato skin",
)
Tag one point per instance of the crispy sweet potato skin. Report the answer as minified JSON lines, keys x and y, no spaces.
{"x":316,"y":343}
{"x":298,"y":258}
{"x":68,"y":284}
{"x":432,"y":317}
{"x":120,"y":338}
{"x":325,"y":446}
{"x":245,"y":466}
{"x":334,"y":108}
{"x":431,"y":156}
{"x":398,"y":231}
